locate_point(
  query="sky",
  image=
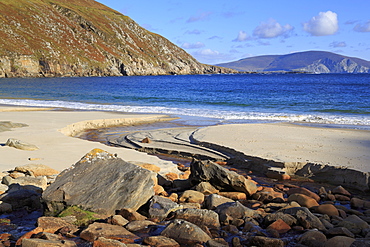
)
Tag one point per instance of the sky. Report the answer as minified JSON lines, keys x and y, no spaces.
{"x":218,"y":31}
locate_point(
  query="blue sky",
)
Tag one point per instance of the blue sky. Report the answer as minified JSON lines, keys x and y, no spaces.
{"x":216,"y":31}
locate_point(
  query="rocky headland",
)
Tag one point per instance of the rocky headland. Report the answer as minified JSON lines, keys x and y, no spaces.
{"x":42,"y":38}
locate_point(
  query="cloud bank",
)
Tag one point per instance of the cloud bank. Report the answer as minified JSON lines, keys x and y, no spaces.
{"x":326,"y":23}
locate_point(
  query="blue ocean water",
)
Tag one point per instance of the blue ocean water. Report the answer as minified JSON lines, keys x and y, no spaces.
{"x":334,"y":99}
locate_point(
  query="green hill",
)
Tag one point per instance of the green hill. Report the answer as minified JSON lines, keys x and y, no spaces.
{"x":84,"y":38}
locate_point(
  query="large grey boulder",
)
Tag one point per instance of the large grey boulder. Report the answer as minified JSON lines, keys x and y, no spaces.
{"x":102,"y":183}
{"x":304,"y":214}
{"x":219,"y":177}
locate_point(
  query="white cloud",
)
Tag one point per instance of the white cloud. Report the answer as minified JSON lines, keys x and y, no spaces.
{"x":242,"y":36}
{"x":196,"y":45}
{"x":271,"y":29}
{"x":336,"y":44}
{"x":199,"y":17}
{"x":365,"y":27}
{"x":208,"y":52}
{"x":326,"y":23}
{"x":195,"y":31}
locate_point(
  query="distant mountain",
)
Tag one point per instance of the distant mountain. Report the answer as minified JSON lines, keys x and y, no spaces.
{"x":84,"y":38}
{"x":309,"y":61}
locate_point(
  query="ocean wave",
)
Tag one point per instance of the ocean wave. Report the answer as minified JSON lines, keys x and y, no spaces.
{"x":320,"y":118}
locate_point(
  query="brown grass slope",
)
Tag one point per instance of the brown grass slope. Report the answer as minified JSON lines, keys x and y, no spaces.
{"x":84,"y":38}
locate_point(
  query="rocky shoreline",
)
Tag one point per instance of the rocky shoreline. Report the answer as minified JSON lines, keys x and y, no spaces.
{"x":103,"y":200}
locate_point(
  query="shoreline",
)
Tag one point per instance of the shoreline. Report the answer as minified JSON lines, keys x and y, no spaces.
{"x":50,"y":129}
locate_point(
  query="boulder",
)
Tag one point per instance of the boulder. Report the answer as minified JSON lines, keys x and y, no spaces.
{"x":234,"y":210}
{"x":192,"y":196}
{"x":206,"y":188}
{"x":280,"y":226}
{"x":160,"y":207}
{"x":96,"y":230}
{"x":287,"y":218}
{"x":117,"y":220}
{"x":199,"y":217}
{"x":37,"y":182}
{"x":266,"y":242}
{"x":214,"y":200}
{"x":36,"y":242}
{"x":185,"y":233}
{"x":304,"y":191}
{"x":53,"y":224}
{"x":340,"y":190}
{"x":340,"y":241}
{"x":328,"y":209}
{"x":303,"y":215}
{"x":130,"y":214}
{"x":36,"y":170}
{"x":220,"y":178}
{"x":160,"y":241}
{"x":11,"y":142}
{"x":139,"y":225}
{"x":339,"y":231}
{"x":106,"y":242}
{"x":234,"y":195}
{"x":313,"y":238}
{"x":20,"y":198}
{"x":354,"y":224}
{"x":303,"y":200}
{"x":87,"y":182}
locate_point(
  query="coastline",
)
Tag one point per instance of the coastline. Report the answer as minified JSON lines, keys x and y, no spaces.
{"x":59,"y":151}
{"x":51,"y":131}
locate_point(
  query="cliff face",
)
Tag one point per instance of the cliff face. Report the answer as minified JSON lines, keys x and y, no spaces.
{"x":84,"y":38}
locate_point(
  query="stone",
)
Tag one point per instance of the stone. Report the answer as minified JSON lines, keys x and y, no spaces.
{"x":185,"y":233}
{"x":280,"y":226}
{"x":277,"y":175}
{"x":106,"y":242}
{"x":5,"y":207}
{"x":357,"y":203}
{"x":192,"y":196}
{"x":139,"y":225}
{"x":339,"y":197}
{"x":220,"y":178}
{"x":199,"y":217}
{"x":340,"y":190}
{"x":18,"y":144}
{"x":361,"y":243}
{"x":15,"y":174}
{"x":129,"y":186}
{"x":219,"y":242}
{"x":234,"y":195}
{"x":268,"y":196}
{"x":3,"y":188}
{"x":97,"y":230}
{"x":117,"y":220}
{"x":160,"y":241}
{"x":302,"y":214}
{"x":38,"y":182}
{"x":303,"y":200}
{"x":159,"y":191}
{"x":206,"y":188}
{"x":20,"y":198}
{"x":313,"y":238}
{"x":214,"y":200}
{"x":131,"y":214}
{"x":304,"y":191}
{"x":354,"y":224}
{"x":36,"y":170}
{"x":28,"y":235}
{"x":340,"y":231}
{"x":287,"y":218}
{"x":36,"y":242}
{"x":146,"y":140}
{"x":328,"y":209}
{"x":266,"y":242}
{"x":234,"y":210}
{"x":53,"y":224}
{"x":160,"y":207}
{"x":339,"y":241}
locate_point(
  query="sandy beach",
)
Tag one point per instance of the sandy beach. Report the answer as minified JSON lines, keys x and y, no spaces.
{"x":52,"y":132}
{"x":286,"y":142}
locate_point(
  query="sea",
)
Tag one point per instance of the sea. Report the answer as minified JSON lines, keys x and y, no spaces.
{"x":326,"y":100}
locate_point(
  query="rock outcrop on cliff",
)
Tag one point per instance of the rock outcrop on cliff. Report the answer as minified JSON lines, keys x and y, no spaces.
{"x":84,"y":38}
{"x":308,"y":62}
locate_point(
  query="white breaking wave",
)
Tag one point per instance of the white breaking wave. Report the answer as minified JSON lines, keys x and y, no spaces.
{"x":199,"y":112}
